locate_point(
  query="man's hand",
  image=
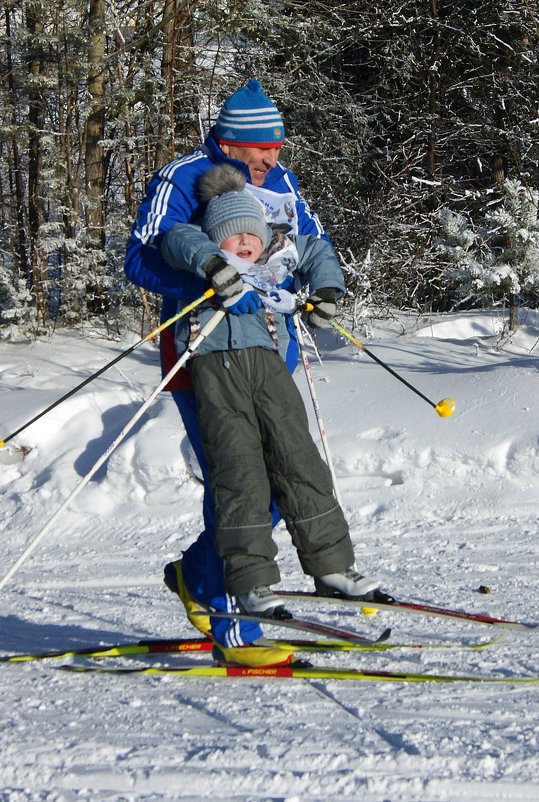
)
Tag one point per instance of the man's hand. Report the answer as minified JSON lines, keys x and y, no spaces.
{"x":325,"y":306}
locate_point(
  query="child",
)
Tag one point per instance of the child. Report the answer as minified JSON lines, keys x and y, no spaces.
{"x":252,"y":420}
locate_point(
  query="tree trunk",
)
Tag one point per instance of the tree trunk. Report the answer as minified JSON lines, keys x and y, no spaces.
{"x":36,"y":208}
{"x":164,"y":150}
{"x":17,"y":237}
{"x":434,"y":92}
{"x":177,"y":61}
{"x":94,"y":156}
{"x":511,"y":311}
{"x":95,"y":125}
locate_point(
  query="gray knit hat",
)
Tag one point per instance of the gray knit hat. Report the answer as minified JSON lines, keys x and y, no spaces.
{"x":230,"y":209}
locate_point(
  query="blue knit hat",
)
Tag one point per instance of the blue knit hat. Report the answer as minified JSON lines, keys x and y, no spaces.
{"x":250,"y":119}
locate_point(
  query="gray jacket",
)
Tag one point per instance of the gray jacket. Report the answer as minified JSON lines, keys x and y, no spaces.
{"x":186,"y":247}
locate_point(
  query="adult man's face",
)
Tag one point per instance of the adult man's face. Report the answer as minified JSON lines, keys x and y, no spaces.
{"x":258,"y":160}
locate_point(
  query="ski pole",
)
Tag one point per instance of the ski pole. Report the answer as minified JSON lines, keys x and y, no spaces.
{"x":205,"y":331}
{"x":316,"y":405}
{"x":444,"y":408}
{"x":151,"y":335}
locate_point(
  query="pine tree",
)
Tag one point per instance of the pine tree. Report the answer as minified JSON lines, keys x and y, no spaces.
{"x":498,"y":260}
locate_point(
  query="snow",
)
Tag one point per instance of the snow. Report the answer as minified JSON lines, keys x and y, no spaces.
{"x":437,"y":507}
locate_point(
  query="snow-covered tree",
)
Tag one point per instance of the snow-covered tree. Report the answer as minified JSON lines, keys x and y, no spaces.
{"x":499,"y":259}
{"x":393,"y":112}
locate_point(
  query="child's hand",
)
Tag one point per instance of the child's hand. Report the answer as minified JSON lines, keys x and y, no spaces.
{"x":246,"y":304}
{"x":287,"y":284}
{"x":225,"y":279}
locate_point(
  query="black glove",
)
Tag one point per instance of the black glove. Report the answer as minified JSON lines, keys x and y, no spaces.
{"x":225,"y":279}
{"x":325,"y":306}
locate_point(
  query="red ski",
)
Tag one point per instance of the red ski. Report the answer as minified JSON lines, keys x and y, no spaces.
{"x":410,"y":607}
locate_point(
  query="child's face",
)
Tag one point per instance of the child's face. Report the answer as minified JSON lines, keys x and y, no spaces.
{"x":246,"y":246}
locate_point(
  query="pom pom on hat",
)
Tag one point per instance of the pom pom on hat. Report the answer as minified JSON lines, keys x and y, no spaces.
{"x":218,"y":180}
{"x":231,"y":209}
{"x":250,"y":119}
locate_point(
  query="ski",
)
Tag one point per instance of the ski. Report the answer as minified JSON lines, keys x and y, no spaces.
{"x":410,"y":607}
{"x":294,"y":672}
{"x":157,"y":646}
{"x":302,"y":624}
{"x":200,"y":645}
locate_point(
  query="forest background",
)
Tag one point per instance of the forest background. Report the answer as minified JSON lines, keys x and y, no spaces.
{"x":413,"y":128}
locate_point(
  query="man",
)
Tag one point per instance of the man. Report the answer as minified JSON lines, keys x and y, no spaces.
{"x":248,"y":135}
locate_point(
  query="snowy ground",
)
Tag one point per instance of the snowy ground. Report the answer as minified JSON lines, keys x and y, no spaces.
{"x":437,"y":507}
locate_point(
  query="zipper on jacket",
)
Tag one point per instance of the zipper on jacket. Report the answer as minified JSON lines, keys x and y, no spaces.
{"x":247,"y":362}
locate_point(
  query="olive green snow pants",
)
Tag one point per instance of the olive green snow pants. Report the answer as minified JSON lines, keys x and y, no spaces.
{"x":255,"y":435}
